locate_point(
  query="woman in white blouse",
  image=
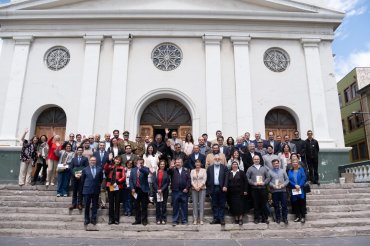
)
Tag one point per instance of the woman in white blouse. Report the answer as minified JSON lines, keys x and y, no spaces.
{"x":235,"y":156}
{"x":151,"y":161}
{"x":188,"y":144}
{"x":198,"y":184}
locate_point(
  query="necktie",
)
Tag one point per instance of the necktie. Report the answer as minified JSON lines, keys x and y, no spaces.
{"x":79,"y":160}
{"x":138,"y":178}
{"x":93,"y":171}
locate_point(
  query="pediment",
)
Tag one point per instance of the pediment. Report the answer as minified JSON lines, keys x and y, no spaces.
{"x":168,"y":5}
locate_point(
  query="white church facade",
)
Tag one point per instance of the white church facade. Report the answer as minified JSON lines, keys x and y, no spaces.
{"x":195,"y":66}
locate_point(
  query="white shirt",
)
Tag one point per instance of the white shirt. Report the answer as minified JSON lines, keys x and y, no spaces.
{"x":180,"y":170}
{"x":196,"y":156}
{"x":257,"y":166}
{"x":234,"y":172}
{"x":216,"y":174}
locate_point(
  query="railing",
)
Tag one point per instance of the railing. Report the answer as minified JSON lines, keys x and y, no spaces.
{"x":361,"y":171}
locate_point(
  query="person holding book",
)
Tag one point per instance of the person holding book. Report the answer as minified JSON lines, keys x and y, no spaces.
{"x":297,"y":179}
{"x":115,"y":181}
{"x":278,"y":184}
{"x":78,"y":163}
{"x":161,"y":181}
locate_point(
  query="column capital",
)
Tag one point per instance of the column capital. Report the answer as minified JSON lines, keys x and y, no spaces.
{"x":121,"y":39}
{"x":25,"y":40}
{"x":93,"y":39}
{"x":310,"y":42}
{"x":240,"y":40}
{"x":212,"y":39}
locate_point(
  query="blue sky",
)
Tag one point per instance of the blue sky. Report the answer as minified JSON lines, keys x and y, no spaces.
{"x":352,"y":40}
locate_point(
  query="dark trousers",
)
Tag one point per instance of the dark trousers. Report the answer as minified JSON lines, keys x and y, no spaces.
{"x":91,"y":200}
{"x":218,"y":203}
{"x":313,"y":167}
{"x":180,"y":206}
{"x":38,"y":169}
{"x":114,"y":205}
{"x":126,"y":200}
{"x":141,"y":206}
{"x":280,"y":204}
{"x":299,"y":207}
{"x":77,"y":191}
{"x":161,"y":207}
{"x":259,"y":202}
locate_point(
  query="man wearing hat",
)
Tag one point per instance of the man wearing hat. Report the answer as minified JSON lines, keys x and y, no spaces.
{"x":126,"y":141}
{"x":140,"y":147}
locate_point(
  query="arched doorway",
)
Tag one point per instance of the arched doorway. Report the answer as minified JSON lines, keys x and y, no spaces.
{"x":165,"y":113}
{"x":281,"y":122}
{"x":51,"y":120}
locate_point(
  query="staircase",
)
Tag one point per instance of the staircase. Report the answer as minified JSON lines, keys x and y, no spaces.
{"x":35,"y":211}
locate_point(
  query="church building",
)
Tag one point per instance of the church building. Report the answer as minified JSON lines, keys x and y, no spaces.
{"x":92,"y":66}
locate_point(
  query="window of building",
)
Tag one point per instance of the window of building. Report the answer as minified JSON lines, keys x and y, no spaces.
{"x":351,"y":122}
{"x":354,"y":152}
{"x":363,"y":151}
{"x":347,"y":95}
{"x":359,"y":120}
{"x":354,"y":90}
{"x":344,"y":127}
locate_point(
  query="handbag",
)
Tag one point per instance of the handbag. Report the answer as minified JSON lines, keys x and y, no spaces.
{"x":307,"y":187}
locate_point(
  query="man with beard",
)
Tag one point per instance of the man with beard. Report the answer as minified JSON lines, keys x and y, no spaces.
{"x":215,"y":152}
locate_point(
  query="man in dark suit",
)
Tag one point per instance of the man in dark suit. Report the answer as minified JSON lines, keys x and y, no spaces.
{"x":217,"y":187}
{"x":140,"y":190}
{"x":180,"y":186}
{"x":312,"y":157}
{"x":275,"y":144}
{"x":247,"y":157}
{"x":78,"y":163}
{"x":91,"y":179}
{"x":223,"y":148}
{"x":128,"y":155}
{"x":102,"y":157}
{"x":257,"y":136}
{"x":196,"y":155}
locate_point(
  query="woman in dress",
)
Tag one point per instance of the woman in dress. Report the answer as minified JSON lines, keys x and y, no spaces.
{"x":42,"y":153}
{"x":65,"y":158}
{"x":188,"y":144}
{"x":198,"y":184}
{"x":53,"y":143}
{"x":116,"y":178}
{"x":161,"y":181}
{"x":230,"y":144}
{"x":237,"y":189}
{"x":28,"y":156}
{"x":297,"y":179}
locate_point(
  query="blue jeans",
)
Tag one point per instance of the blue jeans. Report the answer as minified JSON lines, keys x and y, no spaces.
{"x":63,"y":182}
{"x":180,"y":206}
{"x":280,"y":199}
{"x":218,"y":203}
{"x":126,"y":200}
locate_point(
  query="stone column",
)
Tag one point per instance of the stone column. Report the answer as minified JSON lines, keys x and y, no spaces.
{"x":14,"y":93}
{"x":316,"y":91}
{"x":243,"y":85}
{"x":119,"y":82}
{"x":89,"y":85}
{"x":213,"y":83}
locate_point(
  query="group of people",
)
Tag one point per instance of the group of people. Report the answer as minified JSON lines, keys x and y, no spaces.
{"x":238,"y":176}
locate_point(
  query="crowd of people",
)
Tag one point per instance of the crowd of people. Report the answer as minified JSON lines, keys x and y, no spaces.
{"x":236,"y":175}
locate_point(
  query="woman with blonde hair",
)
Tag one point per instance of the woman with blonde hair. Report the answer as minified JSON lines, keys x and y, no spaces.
{"x":54,"y":144}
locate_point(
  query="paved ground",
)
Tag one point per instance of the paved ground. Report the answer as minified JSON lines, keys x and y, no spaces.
{"x":341,"y":241}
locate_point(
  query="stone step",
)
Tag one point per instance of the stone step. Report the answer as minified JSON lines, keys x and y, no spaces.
{"x":337,"y":208}
{"x":338,"y":191}
{"x":124,"y":227}
{"x":216,"y":233}
{"x":338,"y":196}
{"x":329,"y":202}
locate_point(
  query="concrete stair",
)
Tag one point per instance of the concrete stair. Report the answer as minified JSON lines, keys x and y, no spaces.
{"x":333,"y":210}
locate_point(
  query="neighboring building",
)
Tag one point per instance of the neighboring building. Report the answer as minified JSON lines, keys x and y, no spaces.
{"x":353,"y":123}
{"x":200,"y":66}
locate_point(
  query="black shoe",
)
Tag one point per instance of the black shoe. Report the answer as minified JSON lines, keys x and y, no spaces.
{"x":214,"y":222}
{"x":93,"y":222}
{"x":136,"y":223}
{"x":236,"y":221}
{"x":110,"y":222}
{"x":174,"y":224}
{"x":285,"y":221}
{"x":145,"y":222}
{"x":222,"y":222}
{"x":303,"y":220}
{"x":256,"y":221}
{"x":86,"y":222}
{"x":265,"y":221}
{"x":116,"y":222}
{"x":33,"y":183}
{"x":278,"y":221}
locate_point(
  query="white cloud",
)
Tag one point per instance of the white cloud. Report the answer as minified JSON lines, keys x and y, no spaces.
{"x":344,"y":65}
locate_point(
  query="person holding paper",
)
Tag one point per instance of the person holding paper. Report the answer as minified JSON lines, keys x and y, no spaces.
{"x":161,"y":181}
{"x":297,"y":179}
{"x":258,"y":177}
{"x":198,"y":183}
{"x":65,"y":158}
{"x":278,"y":183}
{"x":116,"y":178}
{"x":78,"y":163}
{"x":140,"y":191}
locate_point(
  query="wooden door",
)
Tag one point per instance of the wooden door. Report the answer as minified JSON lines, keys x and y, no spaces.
{"x":280,"y":122}
{"x":183,"y":130}
{"x":146,"y":130}
{"x":49,"y":130}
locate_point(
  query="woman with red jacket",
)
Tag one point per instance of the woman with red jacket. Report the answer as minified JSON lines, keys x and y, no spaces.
{"x":54,"y":143}
{"x":116,"y":178}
